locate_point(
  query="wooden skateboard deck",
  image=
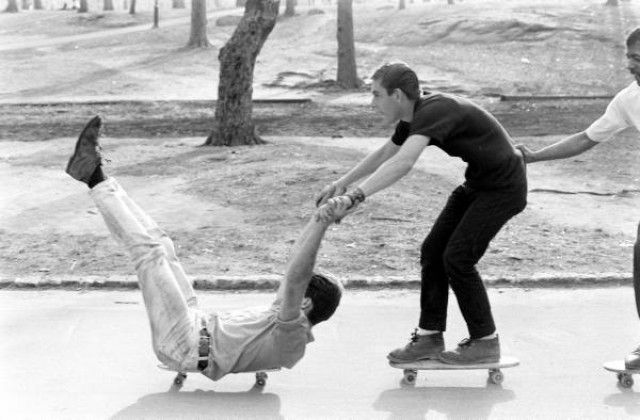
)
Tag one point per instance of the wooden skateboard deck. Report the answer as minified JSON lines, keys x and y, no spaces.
{"x":261,"y":376}
{"x":625,"y":376}
{"x":496,"y":376}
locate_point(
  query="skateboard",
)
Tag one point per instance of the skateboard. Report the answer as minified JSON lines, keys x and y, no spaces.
{"x":410,"y":369}
{"x":261,"y":376}
{"x":625,"y":378}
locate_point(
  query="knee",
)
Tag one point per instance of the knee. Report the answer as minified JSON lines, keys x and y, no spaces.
{"x":148,"y":253}
{"x":430,"y":255}
{"x":456,"y":264}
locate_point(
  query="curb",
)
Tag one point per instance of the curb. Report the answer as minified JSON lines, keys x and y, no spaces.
{"x":271,"y":282}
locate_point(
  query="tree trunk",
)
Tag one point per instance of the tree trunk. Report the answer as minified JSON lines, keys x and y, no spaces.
{"x":450,"y":2}
{"x":25,"y":4}
{"x":12,"y":7}
{"x":84,"y":6}
{"x":198,"y":38}
{"x":234,"y":123}
{"x":400,"y":5}
{"x":108,"y":5}
{"x":290,"y":8}
{"x":611,"y":3}
{"x":156,"y":14}
{"x":347,"y":72}
{"x":132,"y":7}
{"x":177,"y":4}
{"x":37,"y":5}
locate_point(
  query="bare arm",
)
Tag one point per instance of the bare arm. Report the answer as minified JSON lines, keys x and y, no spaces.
{"x":367,"y":166}
{"x":396,"y":167}
{"x":567,"y":147}
{"x":302,"y":260}
{"x":370,"y":163}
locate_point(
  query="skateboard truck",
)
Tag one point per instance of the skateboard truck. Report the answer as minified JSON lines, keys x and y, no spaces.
{"x":178,"y":381}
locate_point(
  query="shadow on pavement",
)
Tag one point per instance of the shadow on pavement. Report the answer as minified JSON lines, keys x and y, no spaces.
{"x":204,"y":404}
{"x":627,"y":399}
{"x":453,"y":402}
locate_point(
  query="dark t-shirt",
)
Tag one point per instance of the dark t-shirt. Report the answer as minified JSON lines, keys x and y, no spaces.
{"x":463,"y":129}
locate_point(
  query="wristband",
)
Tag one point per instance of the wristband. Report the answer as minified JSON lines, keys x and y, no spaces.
{"x":357,"y":196}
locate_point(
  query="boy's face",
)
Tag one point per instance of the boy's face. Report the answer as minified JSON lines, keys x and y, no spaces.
{"x":633,"y":60}
{"x":388,"y":105}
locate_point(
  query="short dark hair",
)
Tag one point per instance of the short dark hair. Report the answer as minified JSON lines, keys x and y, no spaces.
{"x":325,"y":293}
{"x":633,"y":38}
{"x":398,"y":76}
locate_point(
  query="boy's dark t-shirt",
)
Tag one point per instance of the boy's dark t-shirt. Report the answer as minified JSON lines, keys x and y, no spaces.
{"x":463,"y":129}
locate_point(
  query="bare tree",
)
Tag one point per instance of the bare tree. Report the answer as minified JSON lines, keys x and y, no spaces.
{"x":290,"y":8}
{"x":450,"y":1}
{"x":12,"y":7}
{"x":26,"y":4}
{"x":84,"y":6}
{"x":234,"y":123}
{"x":401,"y":5}
{"x":347,"y":71}
{"x":132,"y":7}
{"x":37,"y":5}
{"x":198,"y":37}
{"x":108,"y":5}
{"x":611,"y":3}
{"x":177,"y":4}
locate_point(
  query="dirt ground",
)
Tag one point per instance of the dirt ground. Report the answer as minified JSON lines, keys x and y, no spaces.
{"x":237,"y":211}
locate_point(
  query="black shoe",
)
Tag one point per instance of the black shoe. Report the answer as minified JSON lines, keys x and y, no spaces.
{"x":420,"y":347}
{"x":86,"y":157}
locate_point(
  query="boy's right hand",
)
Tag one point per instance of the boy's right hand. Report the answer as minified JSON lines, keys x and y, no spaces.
{"x":526,"y":153}
{"x":329,"y":191}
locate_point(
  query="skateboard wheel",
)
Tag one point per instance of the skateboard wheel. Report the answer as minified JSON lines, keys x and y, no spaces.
{"x":410,"y":375}
{"x":626,"y":381}
{"x":261,"y":378}
{"x":179,"y":379}
{"x":496,"y":377}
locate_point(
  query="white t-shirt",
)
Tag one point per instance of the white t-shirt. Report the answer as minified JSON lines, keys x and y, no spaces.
{"x":622,"y":112}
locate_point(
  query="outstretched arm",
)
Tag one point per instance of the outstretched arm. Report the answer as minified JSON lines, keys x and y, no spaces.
{"x":367,"y":166}
{"x":567,"y":147}
{"x":302,"y":260}
{"x":396,"y":167}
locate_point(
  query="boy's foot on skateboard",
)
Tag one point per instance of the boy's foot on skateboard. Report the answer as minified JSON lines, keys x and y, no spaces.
{"x":420,"y":347}
{"x":86,"y":158}
{"x":472,"y":351}
{"x":632,"y":361}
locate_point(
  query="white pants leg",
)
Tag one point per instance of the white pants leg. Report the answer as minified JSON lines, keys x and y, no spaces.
{"x":174,"y":323}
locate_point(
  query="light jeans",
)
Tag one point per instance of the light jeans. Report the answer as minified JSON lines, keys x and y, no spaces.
{"x":168,"y":295}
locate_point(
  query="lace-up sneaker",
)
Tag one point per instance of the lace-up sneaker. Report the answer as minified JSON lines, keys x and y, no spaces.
{"x":632,"y":361}
{"x":472,"y":351}
{"x":86,"y":158}
{"x":420,"y":347}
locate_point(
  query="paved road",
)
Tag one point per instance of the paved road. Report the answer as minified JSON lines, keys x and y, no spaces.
{"x":68,"y":354}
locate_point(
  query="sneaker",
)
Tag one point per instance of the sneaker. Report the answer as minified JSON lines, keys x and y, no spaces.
{"x":420,"y":347}
{"x":472,"y":351}
{"x":632,"y":361}
{"x":86,"y":158}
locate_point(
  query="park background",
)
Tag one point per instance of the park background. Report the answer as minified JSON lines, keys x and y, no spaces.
{"x":236,"y":211}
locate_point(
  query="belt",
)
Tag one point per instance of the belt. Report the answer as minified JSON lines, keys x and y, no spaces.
{"x":203,"y":348}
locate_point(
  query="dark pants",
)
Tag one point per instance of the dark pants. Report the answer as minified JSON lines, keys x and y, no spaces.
{"x":458,"y":239}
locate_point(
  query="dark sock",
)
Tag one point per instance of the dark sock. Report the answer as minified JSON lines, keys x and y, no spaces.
{"x":97,"y":177}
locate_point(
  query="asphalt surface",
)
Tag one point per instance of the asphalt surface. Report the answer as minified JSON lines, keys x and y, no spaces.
{"x":81,"y":355}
